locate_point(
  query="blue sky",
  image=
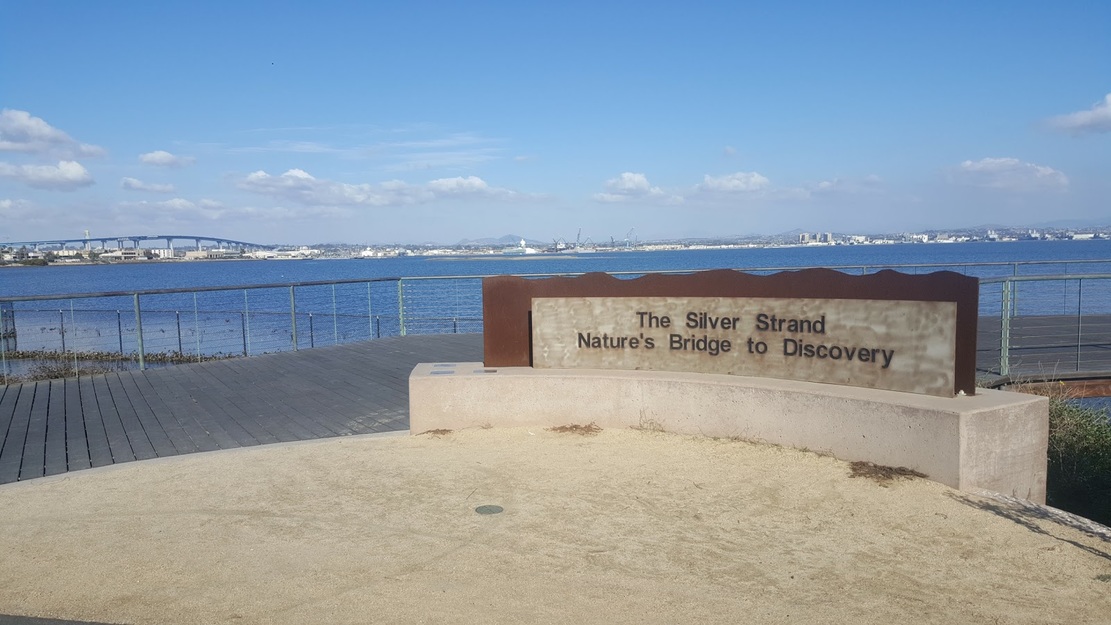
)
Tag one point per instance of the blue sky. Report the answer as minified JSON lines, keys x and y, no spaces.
{"x":284,"y":122}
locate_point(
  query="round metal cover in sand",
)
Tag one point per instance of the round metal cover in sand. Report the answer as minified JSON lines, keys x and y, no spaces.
{"x":488,"y":509}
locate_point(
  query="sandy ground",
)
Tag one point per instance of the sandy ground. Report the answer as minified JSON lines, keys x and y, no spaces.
{"x":620,"y":527}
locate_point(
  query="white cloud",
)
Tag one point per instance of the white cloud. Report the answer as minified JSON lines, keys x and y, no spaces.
{"x":134,"y":184}
{"x":471,"y":185}
{"x":453,"y":151}
{"x":181,"y":211}
{"x":65,"y":176}
{"x":870,"y":184}
{"x":1094,"y":120}
{"x":162,"y":158}
{"x":176,"y":209}
{"x":22,"y":132}
{"x":1009,"y":174}
{"x":634,"y":187}
{"x":14,"y":209}
{"x":300,"y":186}
{"x":740,"y":182}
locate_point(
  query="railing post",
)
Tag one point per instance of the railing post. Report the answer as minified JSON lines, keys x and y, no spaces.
{"x":293,"y":315}
{"x":4,"y":346}
{"x":62,"y":329}
{"x":369,"y":312}
{"x":180,"y":347}
{"x":243,"y":325}
{"x":1005,"y":330}
{"x":197,"y":325}
{"x":400,"y":306}
{"x":139,"y":333}
{"x":1079,"y":318}
{"x":246,"y":326}
{"x":73,"y":324}
{"x":335,"y":316}
{"x":312,"y":335}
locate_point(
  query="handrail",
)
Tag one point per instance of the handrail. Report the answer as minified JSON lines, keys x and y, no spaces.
{"x":1070,"y":276}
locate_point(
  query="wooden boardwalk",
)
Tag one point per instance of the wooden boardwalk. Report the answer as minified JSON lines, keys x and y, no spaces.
{"x":56,"y":426}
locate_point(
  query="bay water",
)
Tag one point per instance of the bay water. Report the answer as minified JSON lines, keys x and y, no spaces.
{"x":62,"y":279}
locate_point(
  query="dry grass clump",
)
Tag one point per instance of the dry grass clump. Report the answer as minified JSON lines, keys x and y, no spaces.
{"x":589,"y":429}
{"x":882,"y":475}
{"x":436,"y":433}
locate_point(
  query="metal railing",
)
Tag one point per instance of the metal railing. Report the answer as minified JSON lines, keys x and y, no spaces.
{"x":1046,"y":325}
{"x":1028,"y":323}
{"x":189,"y":325}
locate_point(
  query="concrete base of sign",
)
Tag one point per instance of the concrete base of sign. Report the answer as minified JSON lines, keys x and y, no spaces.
{"x":993,"y":441}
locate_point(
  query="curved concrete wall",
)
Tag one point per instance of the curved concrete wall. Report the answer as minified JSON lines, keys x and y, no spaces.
{"x":994,"y":440}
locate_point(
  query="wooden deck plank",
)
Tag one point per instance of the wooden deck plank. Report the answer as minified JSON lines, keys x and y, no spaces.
{"x":11,"y":456}
{"x":100,"y":453}
{"x":34,"y":445}
{"x":195,"y":434}
{"x":248,"y":432}
{"x":166,"y":384}
{"x":259,"y":404}
{"x":7,"y":411}
{"x":242,"y":403}
{"x":56,"y":458}
{"x":138,"y":434}
{"x":176,"y":437}
{"x":77,"y":443}
{"x":299,"y":396}
{"x":118,"y":441}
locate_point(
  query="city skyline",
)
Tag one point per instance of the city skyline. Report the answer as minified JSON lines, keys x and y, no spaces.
{"x":429,"y":122}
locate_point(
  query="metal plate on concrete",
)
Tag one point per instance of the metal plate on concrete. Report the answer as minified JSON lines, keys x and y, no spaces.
{"x":890,"y":344}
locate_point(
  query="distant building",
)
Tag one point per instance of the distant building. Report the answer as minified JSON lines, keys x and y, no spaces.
{"x":804,"y":237}
{"x":127,"y":253}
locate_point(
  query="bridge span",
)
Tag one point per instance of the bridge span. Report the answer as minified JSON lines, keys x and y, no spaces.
{"x":87,"y":243}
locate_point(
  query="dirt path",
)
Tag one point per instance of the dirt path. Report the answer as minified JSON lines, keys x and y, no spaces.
{"x":616,"y":527}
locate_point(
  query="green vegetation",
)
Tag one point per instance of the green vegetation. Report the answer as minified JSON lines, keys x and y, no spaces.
{"x":66,"y":369}
{"x":1079,"y":477}
{"x":52,"y":365}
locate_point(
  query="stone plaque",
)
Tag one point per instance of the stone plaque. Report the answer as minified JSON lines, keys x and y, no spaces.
{"x":887,"y":344}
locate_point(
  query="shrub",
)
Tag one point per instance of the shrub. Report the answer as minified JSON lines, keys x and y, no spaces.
{"x":65,"y":369}
{"x":1079,"y":476}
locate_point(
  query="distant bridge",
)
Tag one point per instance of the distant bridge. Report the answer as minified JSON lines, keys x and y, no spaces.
{"x":87,"y":242}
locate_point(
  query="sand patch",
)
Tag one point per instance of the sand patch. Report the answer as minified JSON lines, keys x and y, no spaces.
{"x":618,"y":527}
